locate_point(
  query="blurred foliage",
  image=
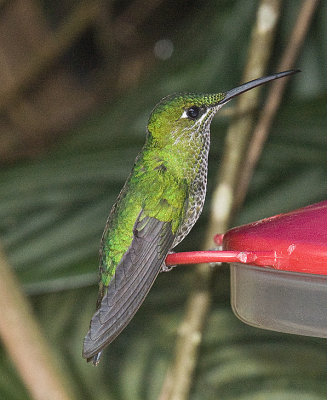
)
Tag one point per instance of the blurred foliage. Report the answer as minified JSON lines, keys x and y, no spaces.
{"x":53,"y":210}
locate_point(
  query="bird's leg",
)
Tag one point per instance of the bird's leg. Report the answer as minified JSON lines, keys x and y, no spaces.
{"x":167,"y":268}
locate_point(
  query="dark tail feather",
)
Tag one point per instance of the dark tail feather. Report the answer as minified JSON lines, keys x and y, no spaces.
{"x":132,"y":281}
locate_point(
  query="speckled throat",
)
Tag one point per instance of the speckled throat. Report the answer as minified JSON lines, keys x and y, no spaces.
{"x":198,"y":187}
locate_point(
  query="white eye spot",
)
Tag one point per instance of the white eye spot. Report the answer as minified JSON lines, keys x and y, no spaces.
{"x":196,"y":121}
{"x":184,"y":115}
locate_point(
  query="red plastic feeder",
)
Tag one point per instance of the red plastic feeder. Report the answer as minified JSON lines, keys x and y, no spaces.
{"x":278,"y":271}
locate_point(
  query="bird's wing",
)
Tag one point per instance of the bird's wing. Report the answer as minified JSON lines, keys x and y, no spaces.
{"x":133,"y":279}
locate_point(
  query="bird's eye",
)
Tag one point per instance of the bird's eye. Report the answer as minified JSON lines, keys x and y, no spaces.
{"x":193,"y":112}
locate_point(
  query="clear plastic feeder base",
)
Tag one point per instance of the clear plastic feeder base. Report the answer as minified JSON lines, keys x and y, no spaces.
{"x":289,"y":302}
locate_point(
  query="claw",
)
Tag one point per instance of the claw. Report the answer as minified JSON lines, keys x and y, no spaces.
{"x":167,"y":268}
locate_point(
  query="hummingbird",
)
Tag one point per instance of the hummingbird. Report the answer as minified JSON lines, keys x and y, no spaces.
{"x":157,"y":207}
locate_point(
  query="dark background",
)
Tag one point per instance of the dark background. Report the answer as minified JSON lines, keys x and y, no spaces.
{"x":78,"y":81}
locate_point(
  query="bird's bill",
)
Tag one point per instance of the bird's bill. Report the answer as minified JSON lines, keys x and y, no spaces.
{"x":252,"y":84}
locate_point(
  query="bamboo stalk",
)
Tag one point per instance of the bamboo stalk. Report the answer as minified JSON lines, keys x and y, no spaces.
{"x":177,"y":384}
{"x":269,"y":111}
{"x":25,"y":343}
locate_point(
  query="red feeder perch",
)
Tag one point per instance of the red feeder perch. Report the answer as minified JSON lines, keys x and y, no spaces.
{"x":278,"y":270}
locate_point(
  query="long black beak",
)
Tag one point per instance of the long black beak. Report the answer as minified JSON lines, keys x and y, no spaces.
{"x":252,"y":84}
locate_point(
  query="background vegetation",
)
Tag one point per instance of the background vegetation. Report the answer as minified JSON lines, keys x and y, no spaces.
{"x":78,"y":85}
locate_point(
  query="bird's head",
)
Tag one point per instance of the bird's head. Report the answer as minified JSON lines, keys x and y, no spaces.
{"x":185,"y":116}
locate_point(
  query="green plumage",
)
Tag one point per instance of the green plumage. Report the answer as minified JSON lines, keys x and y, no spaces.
{"x":152,"y":188}
{"x":158,"y":205}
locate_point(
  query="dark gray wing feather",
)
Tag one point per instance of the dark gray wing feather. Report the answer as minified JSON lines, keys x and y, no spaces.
{"x":128,"y":288}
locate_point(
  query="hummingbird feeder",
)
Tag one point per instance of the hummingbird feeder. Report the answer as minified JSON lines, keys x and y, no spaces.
{"x":278,"y":270}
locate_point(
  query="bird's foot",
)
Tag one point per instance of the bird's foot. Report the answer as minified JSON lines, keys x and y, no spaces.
{"x":214,"y":265}
{"x":167,"y":268}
